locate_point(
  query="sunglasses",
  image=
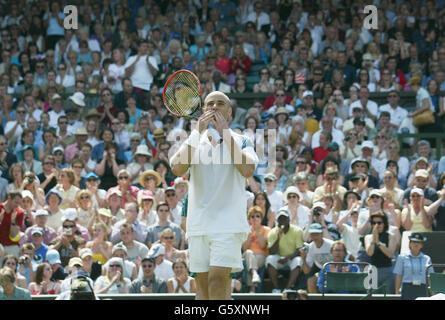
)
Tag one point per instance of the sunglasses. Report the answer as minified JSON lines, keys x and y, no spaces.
{"x":115,"y":265}
{"x":123,"y":178}
{"x":169,"y":238}
{"x":292,"y":197}
{"x":376,"y":222}
{"x":255,"y":216}
{"x":63,"y":122}
{"x":331,"y":178}
{"x":52,"y":163}
{"x":301,"y":162}
{"x":170,"y":195}
{"x":375,"y":197}
{"x":280,"y":95}
{"x":84,"y":198}
{"x":147,"y":265}
{"x":149,"y":178}
{"x":69,"y":227}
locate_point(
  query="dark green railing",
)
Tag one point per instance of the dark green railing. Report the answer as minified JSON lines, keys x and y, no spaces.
{"x":439,"y":137}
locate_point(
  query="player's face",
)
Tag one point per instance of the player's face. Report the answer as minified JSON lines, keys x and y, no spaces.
{"x":218,"y":102}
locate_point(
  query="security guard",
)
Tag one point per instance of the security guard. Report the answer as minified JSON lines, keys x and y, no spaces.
{"x":410,"y":269}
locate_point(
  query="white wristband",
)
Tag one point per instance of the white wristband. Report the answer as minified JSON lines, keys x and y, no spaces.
{"x":193,"y":139}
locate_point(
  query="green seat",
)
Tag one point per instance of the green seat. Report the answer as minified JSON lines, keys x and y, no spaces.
{"x":437,"y":282}
{"x":346,"y":281}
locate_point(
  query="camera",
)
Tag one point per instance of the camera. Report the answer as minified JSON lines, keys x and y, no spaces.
{"x":24,"y":260}
{"x":69,"y":232}
{"x":291,"y":294}
{"x":347,"y":138}
{"x":30,"y":179}
{"x":318,"y":211}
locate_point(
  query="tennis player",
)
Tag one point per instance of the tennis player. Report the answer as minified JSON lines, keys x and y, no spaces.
{"x":216,"y":222}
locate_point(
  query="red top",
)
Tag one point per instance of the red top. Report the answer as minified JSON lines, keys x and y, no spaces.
{"x":224,"y":65}
{"x":6,"y":224}
{"x":107,"y":120}
{"x":270,"y":101}
{"x":320,"y":154}
{"x":246,"y":65}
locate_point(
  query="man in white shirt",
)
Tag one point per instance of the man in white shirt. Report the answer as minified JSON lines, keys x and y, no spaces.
{"x":369,"y":107}
{"x":141,"y":68}
{"x":397,"y":113}
{"x":216,"y":227}
{"x":174,"y":205}
{"x":275,"y":196}
{"x":258,"y":17}
{"x":164,"y":268}
{"x":57,"y":110}
{"x":327,"y":125}
{"x":377,"y":167}
{"x":14,"y":128}
{"x":280,"y":97}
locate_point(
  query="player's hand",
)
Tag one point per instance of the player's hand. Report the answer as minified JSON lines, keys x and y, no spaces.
{"x":204,"y":120}
{"x":220,"y":123}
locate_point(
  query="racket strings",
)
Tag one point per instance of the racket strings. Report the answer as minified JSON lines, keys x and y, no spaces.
{"x":182,"y":94}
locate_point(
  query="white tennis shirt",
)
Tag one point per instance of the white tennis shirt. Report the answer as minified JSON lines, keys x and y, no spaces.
{"x":217,"y":200}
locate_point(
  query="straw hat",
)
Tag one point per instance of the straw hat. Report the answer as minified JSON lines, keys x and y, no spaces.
{"x":150,"y":173}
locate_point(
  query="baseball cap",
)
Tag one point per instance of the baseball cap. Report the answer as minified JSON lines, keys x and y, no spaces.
{"x":58,"y":149}
{"x":422,"y":159}
{"x":307,"y":93}
{"x":333,"y":146}
{"x":85,"y":252}
{"x":69,"y":214}
{"x":422,"y":173}
{"x":270,"y":176}
{"x":36,"y":230}
{"x":156,"y":250}
{"x":359,"y":160}
{"x":307,"y":149}
{"x":119,"y":246}
{"x":41,"y":212}
{"x":91,"y":175}
{"x":375,"y":192}
{"x":417,"y":190}
{"x":114,"y":191}
{"x":170,"y":189}
{"x":319,"y":204}
{"x":27,"y":194}
{"x":75,"y":261}
{"x":315,"y":228}
{"x":367,"y":144}
{"x":148,"y":194}
{"x":53,"y":256}
{"x":331,"y":170}
{"x":105,"y":212}
{"x":282,"y":212}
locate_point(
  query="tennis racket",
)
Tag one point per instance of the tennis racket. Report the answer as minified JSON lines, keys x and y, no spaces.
{"x":182,"y":94}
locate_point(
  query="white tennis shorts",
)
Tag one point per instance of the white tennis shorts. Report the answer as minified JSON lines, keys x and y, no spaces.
{"x":217,"y":250}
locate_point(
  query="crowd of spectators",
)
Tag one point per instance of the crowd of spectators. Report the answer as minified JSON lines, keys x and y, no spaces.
{"x":86,"y":186}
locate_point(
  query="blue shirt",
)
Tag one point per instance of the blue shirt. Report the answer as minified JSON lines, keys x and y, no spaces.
{"x":352,"y":268}
{"x":19,"y":294}
{"x":412,"y":268}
